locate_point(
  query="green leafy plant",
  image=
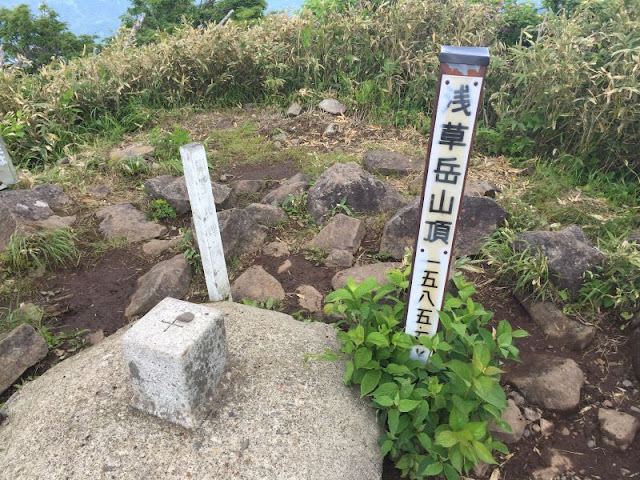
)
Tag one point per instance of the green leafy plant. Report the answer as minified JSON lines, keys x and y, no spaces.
{"x":187,"y":246}
{"x":268,"y":304}
{"x":160,"y":209}
{"x":314,"y":254}
{"x":615,"y":285}
{"x":341,"y":207}
{"x":528,"y":273}
{"x":44,"y":249}
{"x":167,"y":147}
{"x":435,"y":416}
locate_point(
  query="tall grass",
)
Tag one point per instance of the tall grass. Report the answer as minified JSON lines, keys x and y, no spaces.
{"x":573,"y":90}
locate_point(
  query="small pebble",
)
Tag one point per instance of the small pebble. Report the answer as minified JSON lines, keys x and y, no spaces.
{"x":517,"y":398}
{"x":546,"y":427}
{"x":627,"y":383}
{"x":527,"y":433}
{"x":607,"y":404}
{"x":591,"y":443}
{"x":565,"y":431}
{"x":531,"y":414}
{"x":535,"y":427}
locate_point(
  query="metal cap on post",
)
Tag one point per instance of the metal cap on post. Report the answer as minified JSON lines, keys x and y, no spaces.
{"x":462,"y":71}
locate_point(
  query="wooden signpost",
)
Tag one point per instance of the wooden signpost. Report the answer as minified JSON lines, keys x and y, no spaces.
{"x":462,"y":72}
{"x":205,"y":219}
{"x":8,"y":175}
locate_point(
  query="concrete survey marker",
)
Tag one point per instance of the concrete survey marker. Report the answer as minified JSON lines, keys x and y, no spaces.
{"x":176,"y":355}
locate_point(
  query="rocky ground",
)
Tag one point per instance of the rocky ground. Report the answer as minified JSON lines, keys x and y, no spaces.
{"x":332,"y":199}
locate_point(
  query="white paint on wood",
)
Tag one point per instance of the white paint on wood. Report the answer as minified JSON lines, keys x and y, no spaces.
{"x":8,"y":174}
{"x":448,"y":161}
{"x":205,"y":219}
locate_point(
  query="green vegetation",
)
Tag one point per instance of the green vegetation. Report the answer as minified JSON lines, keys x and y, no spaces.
{"x":167,"y":147}
{"x":436,"y":415}
{"x":569,"y":94}
{"x":37,"y":39}
{"x":47,"y":249}
{"x":160,"y":209}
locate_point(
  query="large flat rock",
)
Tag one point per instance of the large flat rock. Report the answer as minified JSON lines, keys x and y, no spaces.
{"x":277,"y":418}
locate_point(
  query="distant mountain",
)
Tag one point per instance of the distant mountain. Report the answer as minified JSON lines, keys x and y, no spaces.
{"x":102,"y":17}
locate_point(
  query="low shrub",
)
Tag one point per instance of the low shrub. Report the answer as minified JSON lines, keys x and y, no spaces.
{"x":435,"y":416}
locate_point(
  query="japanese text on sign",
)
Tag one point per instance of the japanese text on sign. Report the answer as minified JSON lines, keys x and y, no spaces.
{"x":451,"y":144}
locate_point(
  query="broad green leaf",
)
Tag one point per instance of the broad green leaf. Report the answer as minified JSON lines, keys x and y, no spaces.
{"x":370,"y":382}
{"x":483,"y":452}
{"x":477,"y":429}
{"x":386,"y":446}
{"x":463,"y":370}
{"x":377,"y":339}
{"x":388,"y":389}
{"x":420,"y":413}
{"x":446,"y":439}
{"x":424,"y":440}
{"x":488,"y":389}
{"x":362,"y":357}
{"x":481,"y":355}
{"x":349,"y":373}
{"x":395,"y":369}
{"x":500,"y":447}
{"x":520,"y":333}
{"x":457,"y":419}
{"x":393,"y":417}
{"x":451,"y":472}
{"x":407,"y":405}
{"x":433,"y":470}
{"x":341,"y":294}
{"x":384,"y":401}
{"x":491,"y":371}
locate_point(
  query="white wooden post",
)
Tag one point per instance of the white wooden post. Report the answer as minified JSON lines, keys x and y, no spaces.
{"x":462,"y":72}
{"x":205,"y":219}
{"x":8,"y":174}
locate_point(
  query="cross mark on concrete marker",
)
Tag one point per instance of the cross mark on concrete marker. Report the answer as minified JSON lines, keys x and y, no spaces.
{"x":185,"y":317}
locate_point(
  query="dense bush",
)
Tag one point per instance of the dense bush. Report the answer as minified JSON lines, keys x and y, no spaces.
{"x":573,"y":90}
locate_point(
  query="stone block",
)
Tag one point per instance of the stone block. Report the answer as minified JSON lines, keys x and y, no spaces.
{"x":176,"y":355}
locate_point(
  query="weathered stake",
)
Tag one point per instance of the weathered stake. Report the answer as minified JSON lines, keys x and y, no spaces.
{"x":205,"y":218}
{"x":8,"y":174}
{"x":462,"y":72}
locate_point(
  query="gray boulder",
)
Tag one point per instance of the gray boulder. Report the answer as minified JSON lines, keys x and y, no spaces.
{"x":267,"y":215}
{"x":553,"y":382}
{"x":569,"y":254}
{"x":332,"y":106}
{"x":360,"y":190}
{"x":391,"y":163}
{"x":123,"y":220}
{"x":240,"y":233}
{"x":513,"y":417}
{"x":339,"y":259}
{"x":359,"y":274}
{"x":132,"y":151}
{"x":401,"y":230}
{"x":246,"y":187}
{"x":481,"y":189}
{"x":294,"y":110}
{"x":20,"y":349}
{"x":257,"y":285}
{"x":309,"y":298}
{"x":341,"y":233}
{"x":479,"y":218}
{"x":618,"y":428}
{"x":276,"y":418}
{"x":277,"y":196}
{"x":170,"y":278}
{"x":558,"y":326}
{"x":174,"y":191}
{"x":24,"y":211}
